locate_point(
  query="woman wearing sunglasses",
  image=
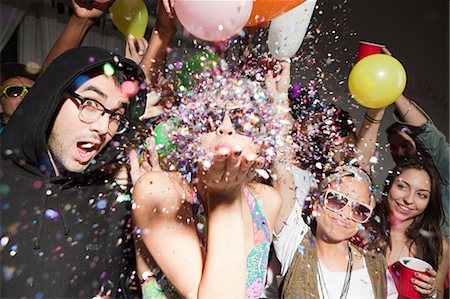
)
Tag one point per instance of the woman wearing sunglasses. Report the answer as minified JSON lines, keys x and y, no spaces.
{"x":321,"y":262}
{"x":408,"y":224}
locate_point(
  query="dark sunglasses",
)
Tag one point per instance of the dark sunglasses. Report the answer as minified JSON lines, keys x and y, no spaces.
{"x":15,"y":91}
{"x":336,"y":201}
{"x":243,"y":120}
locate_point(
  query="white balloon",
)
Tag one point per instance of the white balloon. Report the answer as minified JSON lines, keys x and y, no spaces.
{"x":287,"y":31}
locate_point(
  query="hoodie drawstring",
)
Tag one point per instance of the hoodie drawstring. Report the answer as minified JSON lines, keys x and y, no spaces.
{"x":66,"y":230}
{"x":40,"y":224}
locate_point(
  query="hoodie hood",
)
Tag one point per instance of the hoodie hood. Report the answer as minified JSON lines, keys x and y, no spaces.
{"x":24,"y":140}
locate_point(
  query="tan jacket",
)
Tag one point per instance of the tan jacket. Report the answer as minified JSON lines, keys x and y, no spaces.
{"x":301,"y":279}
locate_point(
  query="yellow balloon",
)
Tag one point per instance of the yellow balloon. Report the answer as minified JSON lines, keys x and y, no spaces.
{"x":130,"y":16}
{"x":376,"y":81}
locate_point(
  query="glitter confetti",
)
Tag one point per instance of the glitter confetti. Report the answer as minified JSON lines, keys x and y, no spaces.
{"x":108,"y":69}
{"x":202,"y":108}
{"x":129,"y":88}
{"x":51,"y":214}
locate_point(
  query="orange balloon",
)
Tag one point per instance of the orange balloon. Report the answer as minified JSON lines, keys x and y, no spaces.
{"x":266,"y":10}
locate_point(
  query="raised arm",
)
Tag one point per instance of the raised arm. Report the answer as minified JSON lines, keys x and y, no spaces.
{"x":84,"y":16}
{"x":166,"y":235}
{"x":162,"y":33}
{"x":284,"y":183}
{"x":409,"y":113}
{"x":406,"y":110}
{"x":367,"y":137}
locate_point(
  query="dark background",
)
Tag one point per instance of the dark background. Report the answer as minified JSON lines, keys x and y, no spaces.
{"x":417,"y":34}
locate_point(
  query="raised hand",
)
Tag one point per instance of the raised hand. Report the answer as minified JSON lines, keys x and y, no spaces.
{"x":90,"y":9}
{"x":155,"y":98}
{"x":145,"y":162}
{"x":278,"y":81}
{"x":229,"y":170}
{"x":135,"y":48}
{"x":168,"y":6}
{"x":277,"y":84}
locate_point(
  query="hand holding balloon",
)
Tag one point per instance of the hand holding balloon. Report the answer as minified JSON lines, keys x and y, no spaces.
{"x":169,"y":6}
{"x":377,"y":81}
{"x":135,"y":48}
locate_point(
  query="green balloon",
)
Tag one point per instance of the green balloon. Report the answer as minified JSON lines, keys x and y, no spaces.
{"x":196,"y":63}
{"x":163,"y":138}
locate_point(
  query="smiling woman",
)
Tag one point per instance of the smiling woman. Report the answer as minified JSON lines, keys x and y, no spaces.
{"x":321,"y":261}
{"x":409,"y":218}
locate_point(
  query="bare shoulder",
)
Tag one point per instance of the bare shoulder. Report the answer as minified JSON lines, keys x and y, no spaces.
{"x":159,"y":177}
{"x":269,"y":196}
{"x":445,"y":246}
{"x":270,"y":200}
{"x":156,"y":187}
{"x":445,"y":249}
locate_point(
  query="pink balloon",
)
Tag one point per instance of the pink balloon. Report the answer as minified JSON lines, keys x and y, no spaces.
{"x":213,"y":20}
{"x":102,"y":1}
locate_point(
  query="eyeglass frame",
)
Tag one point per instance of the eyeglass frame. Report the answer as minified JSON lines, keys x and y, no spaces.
{"x":348,"y":203}
{"x":73,"y":94}
{"x":25,"y":90}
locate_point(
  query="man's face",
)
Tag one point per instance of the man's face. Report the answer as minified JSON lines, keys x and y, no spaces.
{"x":10,"y":104}
{"x":402,"y":146}
{"x":74,"y":142}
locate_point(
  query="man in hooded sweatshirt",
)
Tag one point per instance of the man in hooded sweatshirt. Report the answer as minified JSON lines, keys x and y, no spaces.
{"x":64,"y":224}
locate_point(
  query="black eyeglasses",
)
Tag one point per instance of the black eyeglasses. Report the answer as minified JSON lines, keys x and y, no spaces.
{"x":91,"y":110}
{"x":15,"y":91}
{"x":335,"y":201}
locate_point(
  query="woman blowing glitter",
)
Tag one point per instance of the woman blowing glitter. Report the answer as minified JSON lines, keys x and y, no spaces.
{"x":208,"y":235}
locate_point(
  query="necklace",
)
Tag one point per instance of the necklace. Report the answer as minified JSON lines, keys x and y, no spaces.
{"x":400,"y":251}
{"x":348,"y":276}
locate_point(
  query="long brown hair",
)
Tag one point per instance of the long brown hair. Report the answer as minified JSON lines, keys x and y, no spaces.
{"x":425,"y":232}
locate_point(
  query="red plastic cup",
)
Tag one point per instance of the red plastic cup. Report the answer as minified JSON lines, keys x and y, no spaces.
{"x":366,"y":48}
{"x":402,"y":272}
